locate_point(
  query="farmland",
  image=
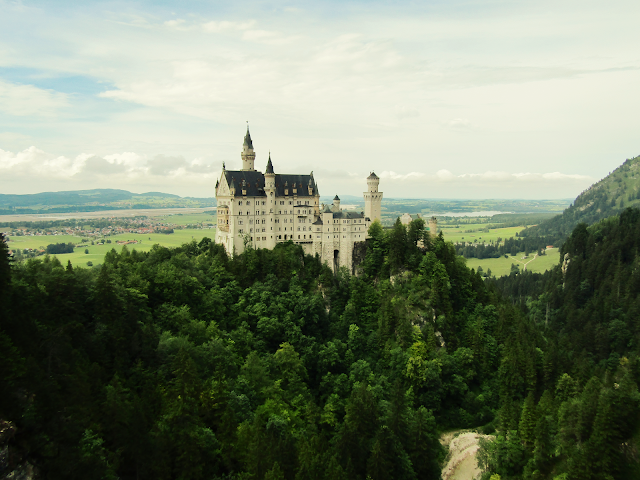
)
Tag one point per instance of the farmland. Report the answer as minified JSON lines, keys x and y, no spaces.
{"x":502,"y":266}
{"x":97,"y":252}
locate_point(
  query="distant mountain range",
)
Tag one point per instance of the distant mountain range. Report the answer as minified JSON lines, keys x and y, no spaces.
{"x":615,"y":192}
{"x":93,"y":200}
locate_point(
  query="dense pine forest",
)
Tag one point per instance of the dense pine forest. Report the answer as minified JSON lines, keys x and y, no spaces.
{"x":187,"y":364}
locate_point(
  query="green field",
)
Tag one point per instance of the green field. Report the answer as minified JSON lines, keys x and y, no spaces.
{"x":461,"y":233}
{"x":97,"y":252}
{"x":502,"y":266}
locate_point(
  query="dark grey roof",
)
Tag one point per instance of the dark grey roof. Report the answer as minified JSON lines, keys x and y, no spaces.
{"x":247,"y":139}
{"x":301,"y":183}
{"x":317,"y":222}
{"x":373,"y":176}
{"x":255,"y":183}
{"x":269,"y":165}
{"x":348,"y":215}
{"x":336,"y":197}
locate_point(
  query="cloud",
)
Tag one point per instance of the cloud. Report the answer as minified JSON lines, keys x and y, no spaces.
{"x":459,"y":123}
{"x":30,"y":101}
{"x":127,"y":168}
{"x":225,"y":26}
{"x":405,"y":111}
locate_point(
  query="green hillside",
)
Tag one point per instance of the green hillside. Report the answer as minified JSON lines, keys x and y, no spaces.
{"x":609,"y":196}
{"x":94,"y":200}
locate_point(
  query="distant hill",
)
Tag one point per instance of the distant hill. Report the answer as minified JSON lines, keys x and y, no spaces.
{"x":77,"y":197}
{"x":609,"y":196}
{"x":157,"y":194}
{"x":94,"y":200}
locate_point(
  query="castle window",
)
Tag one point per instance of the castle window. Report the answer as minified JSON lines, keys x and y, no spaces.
{"x":239,"y":222}
{"x":298,"y":237}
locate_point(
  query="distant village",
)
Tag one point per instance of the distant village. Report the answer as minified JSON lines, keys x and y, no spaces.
{"x":91,"y":232}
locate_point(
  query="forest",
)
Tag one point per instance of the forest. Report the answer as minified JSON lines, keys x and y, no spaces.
{"x":184,"y":363}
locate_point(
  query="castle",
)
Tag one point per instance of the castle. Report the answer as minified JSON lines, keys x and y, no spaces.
{"x":268,"y":208}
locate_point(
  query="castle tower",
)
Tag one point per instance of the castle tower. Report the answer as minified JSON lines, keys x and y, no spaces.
{"x":270,"y":192}
{"x":373,"y":198}
{"x":269,"y":177}
{"x":336,"y":204}
{"x":248,"y":155}
{"x":433,"y":227}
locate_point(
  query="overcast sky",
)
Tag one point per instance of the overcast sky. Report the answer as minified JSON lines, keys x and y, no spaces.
{"x":442,"y":99}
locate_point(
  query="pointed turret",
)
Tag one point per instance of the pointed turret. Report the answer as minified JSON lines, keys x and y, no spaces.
{"x":269,"y":179}
{"x":269,"y":165}
{"x":247,"y":139}
{"x":336,"y":204}
{"x":248,"y":155}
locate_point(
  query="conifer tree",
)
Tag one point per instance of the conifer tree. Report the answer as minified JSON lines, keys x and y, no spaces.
{"x":528,"y":422}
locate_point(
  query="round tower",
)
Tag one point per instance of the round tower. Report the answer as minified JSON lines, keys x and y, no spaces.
{"x":336,"y":204}
{"x":373,"y":198}
{"x":269,"y":176}
{"x":372,"y":183}
{"x":270,"y":192}
{"x":248,"y":155}
{"x":433,"y":227}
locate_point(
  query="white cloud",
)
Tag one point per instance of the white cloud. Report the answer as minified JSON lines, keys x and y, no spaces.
{"x":27,"y":100}
{"x":224,"y":26}
{"x":406,"y":111}
{"x":119,"y":169}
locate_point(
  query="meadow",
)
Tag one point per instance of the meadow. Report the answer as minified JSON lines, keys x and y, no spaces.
{"x":474,"y":232}
{"x":97,"y":252}
{"x":502,"y":266}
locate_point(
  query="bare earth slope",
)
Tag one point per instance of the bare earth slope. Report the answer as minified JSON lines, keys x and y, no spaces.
{"x":461,"y":460}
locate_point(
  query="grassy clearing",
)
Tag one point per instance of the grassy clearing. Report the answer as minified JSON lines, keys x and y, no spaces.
{"x":97,"y":252}
{"x":502,"y":266}
{"x":462,"y":234}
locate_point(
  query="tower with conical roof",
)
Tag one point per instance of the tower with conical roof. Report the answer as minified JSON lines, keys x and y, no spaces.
{"x":248,"y":155}
{"x":373,"y":198}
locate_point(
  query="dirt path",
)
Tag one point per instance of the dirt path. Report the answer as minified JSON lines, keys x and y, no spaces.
{"x":527,"y":263}
{"x":461,"y":461}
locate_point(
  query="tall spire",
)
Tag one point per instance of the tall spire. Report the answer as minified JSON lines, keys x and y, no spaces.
{"x":269,"y":165}
{"x":248,"y":155}
{"x":247,"y":138}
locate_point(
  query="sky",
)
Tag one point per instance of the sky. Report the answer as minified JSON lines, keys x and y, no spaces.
{"x":442,"y":99}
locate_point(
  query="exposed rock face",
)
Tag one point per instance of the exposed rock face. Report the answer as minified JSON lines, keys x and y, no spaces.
{"x":462,"y":464}
{"x":12,"y":467}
